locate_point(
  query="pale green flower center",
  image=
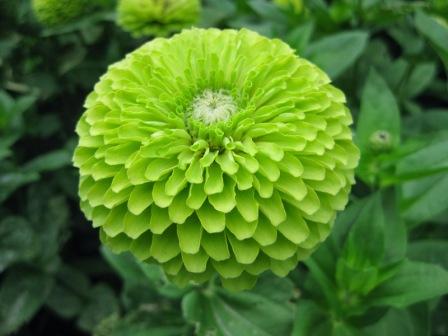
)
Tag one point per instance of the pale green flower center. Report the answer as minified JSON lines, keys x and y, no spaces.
{"x":213,"y":106}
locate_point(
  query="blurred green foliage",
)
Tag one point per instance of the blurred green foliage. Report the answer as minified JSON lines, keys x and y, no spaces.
{"x":384,"y":270}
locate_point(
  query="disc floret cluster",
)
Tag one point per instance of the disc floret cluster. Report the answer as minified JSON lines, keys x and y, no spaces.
{"x":215,"y":152}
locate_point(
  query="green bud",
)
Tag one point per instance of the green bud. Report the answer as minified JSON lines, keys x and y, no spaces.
{"x":157,"y":17}
{"x":380,"y":141}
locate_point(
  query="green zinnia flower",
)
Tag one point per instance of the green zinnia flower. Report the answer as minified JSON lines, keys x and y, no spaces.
{"x":57,"y":12}
{"x":157,"y":17}
{"x":215,"y":151}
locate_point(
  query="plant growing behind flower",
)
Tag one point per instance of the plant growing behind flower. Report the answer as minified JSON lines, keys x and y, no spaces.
{"x":215,"y":152}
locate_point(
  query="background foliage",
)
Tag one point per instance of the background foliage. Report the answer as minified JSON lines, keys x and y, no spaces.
{"x":383,"y":271}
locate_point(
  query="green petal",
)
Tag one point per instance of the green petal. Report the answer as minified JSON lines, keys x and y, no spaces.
{"x":228,"y":268}
{"x":261,"y":264}
{"x":312,"y":170}
{"x":178,"y":210}
{"x":291,"y":165}
{"x":160,"y":220}
{"x":227,"y":163}
{"x":195,"y":263}
{"x":246,"y":251}
{"x":225,"y":200}
{"x":120,"y":181}
{"x":239,"y":226}
{"x":293,"y":186}
{"x":247,"y":205}
{"x":96,"y":193}
{"x":99,"y":216}
{"x":211,"y":220}
{"x":196,"y":196}
{"x":283,"y":267}
{"x":266,"y":233}
{"x":271,"y":150}
{"x":82,"y":155}
{"x":294,"y":228}
{"x":158,"y":168}
{"x":214,"y":182}
{"x":268,"y":168}
{"x":140,"y":198}
{"x":117,"y":244}
{"x":282,"y":249}
{"x":134,"y":225}
{"x":243,"y":282}
{"x":208,"y":159}
{"x":85,"y":184}
{"x":173,"y":266}
{"x":337,"y":202}
{"x":310,"y":204}
{"x":120,"y":153}
{"x":165,"y":247}
{"x":243,"y":178}
{"x":184,"y":278}
{"x":161,"y":199}
{"x":114,"y":223}
{"x":189,"y":235}
{"x":136,"y":171}
{"x":86,"y":209}
{"x":141,"y":247}
{"x":176,"y":182}
{"x":112,"y":199}
{"x":194,"y":173}
{"x":263,"y":186}
{"x":215,"y":244}
{"x":331,"y":185}
{"x":102,"y":170}
{"x":248,"y":162}
{"x":322,"y":215}
{"x":273,"y":209}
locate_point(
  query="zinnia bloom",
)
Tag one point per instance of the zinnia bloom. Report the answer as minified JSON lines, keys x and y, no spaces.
{"x":215,"y":152}
{"x":157,"y":17}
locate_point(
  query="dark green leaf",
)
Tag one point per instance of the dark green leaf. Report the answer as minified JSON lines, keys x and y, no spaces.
{"x":430,"y":251}
{"x":435,"y":32}
{"x":238,"y":314}
{"x":311,"y":320}
{"x":22,"y":293}
{"x":102,"y":304}
{"x":17,"y":241}
{"x":379,"y":112}
{"x":414,"y":282}
{"x":335,"y":53}
{"x":425,"y":198}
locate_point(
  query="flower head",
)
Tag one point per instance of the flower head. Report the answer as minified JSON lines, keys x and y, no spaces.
{"x":157,"y":17}
{"x":215,"y":151}
{"x":57,"y":12}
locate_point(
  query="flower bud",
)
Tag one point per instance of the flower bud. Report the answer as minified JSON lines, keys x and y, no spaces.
{"x":157,"y":17}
